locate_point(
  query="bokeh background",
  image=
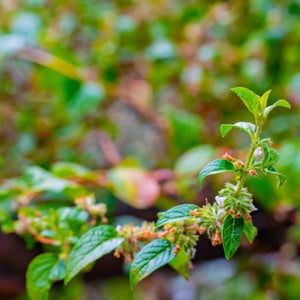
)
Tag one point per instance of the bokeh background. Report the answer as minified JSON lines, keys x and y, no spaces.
{"x":94,"y":82}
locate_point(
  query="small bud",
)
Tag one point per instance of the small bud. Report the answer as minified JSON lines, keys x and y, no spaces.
{"x":167,"y":227}
{"x":117,"y":254}
{"x":239,"y":164}
{"x":171,"y":239}
{"x":172,"y":230}
{"x":238,"y":215}
{"x":216,"y":239}
{"x":252,"y":172}
{"x":176,"y":249}
{"x":231,"y":212}
{"x":201,"y":229}
{"x":195,"y":213}
{"x":228,"y":157}
{"x":247,"y":218}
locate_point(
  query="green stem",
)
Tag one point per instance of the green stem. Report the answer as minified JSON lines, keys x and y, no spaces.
{"x":249,"y":159}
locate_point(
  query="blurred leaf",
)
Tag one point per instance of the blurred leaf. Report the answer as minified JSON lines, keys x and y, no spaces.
{"x":41,"y":273}
{"x":194,"y":159}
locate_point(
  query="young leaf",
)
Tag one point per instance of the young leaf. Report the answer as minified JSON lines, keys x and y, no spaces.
{"x":245,"y":126}
{"x":250,"y":230}
{"x":281,"y":179}
{"x":215,"y":167}
{"x":176,"y":213}
{"x":90,"y":247}
{"x":153,"y":256}
{"x":232,"y":233}
{"x":271,"y":156}
{"x":264,"y":99}
{"x":282,"y":103}
{"x":250,"y":99}
{"x":41,"y":273}
{"x":181,"y":264}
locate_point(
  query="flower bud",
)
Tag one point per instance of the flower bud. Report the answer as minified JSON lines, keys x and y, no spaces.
{"x":228,"y":157}
{"x":252,"y":172}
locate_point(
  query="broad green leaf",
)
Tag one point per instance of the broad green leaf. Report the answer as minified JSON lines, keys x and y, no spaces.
{"x":90,"y":247}
{"x":250,"y":230}
{"x":232,"y":233}
{"x":281,"y":179}
{"x":264,"y":99}
{"x":181,"y":264}
{"x":282,"y":103}
{"x":176,"y":213}
{"x":215,"y":167}
{"x":42,"y":272}
{"x":250,"y":99}
{"x":153,"y":256}
{"x":245,"y":126}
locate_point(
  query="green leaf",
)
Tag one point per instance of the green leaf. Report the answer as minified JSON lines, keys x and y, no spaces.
{"x":90,"y":247}
{"x":176,"y":213}
{"x":232,"y":233}
{"x":264,"y":99}
{"x":281,"y":179}
{"x":282,"y":103}
{"x":153,"y":256}
{"x":215,"y":167}
{"x":271,"y":156}
{"x":42,"y":272}
{"x":245,"y":126}
{"x":250,"y":99}
{"x":250,"y":230}
{"x":181,"y":264}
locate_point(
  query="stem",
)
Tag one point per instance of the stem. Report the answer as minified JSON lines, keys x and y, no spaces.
{"x":249,"y":159}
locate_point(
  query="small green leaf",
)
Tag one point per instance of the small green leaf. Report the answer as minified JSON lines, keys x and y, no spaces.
{"x":245,"y":126}
{"x":90,"y":247}
{"x":153,"y":256}
{"x":250,"y":230}
{"x":281,"y":179}
{"x":271,"y":156}
{"x":41,"y":274}
{"x":264,"y":99}
{"x":215,"y":167}
{"x":282,"y":103}
{"x":176,"y":213}
{"x":250,"y":99}
{"x":232,"y":233}
{"x":181,"y":264}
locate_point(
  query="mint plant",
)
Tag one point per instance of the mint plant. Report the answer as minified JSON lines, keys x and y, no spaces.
{"x":77,"y":235}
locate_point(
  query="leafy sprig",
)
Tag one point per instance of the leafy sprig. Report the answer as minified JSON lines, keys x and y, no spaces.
{"x":78,"y":235}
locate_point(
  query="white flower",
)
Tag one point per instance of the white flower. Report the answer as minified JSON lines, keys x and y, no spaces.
{"x":220,"y":200}
{"x":258,"y":153}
